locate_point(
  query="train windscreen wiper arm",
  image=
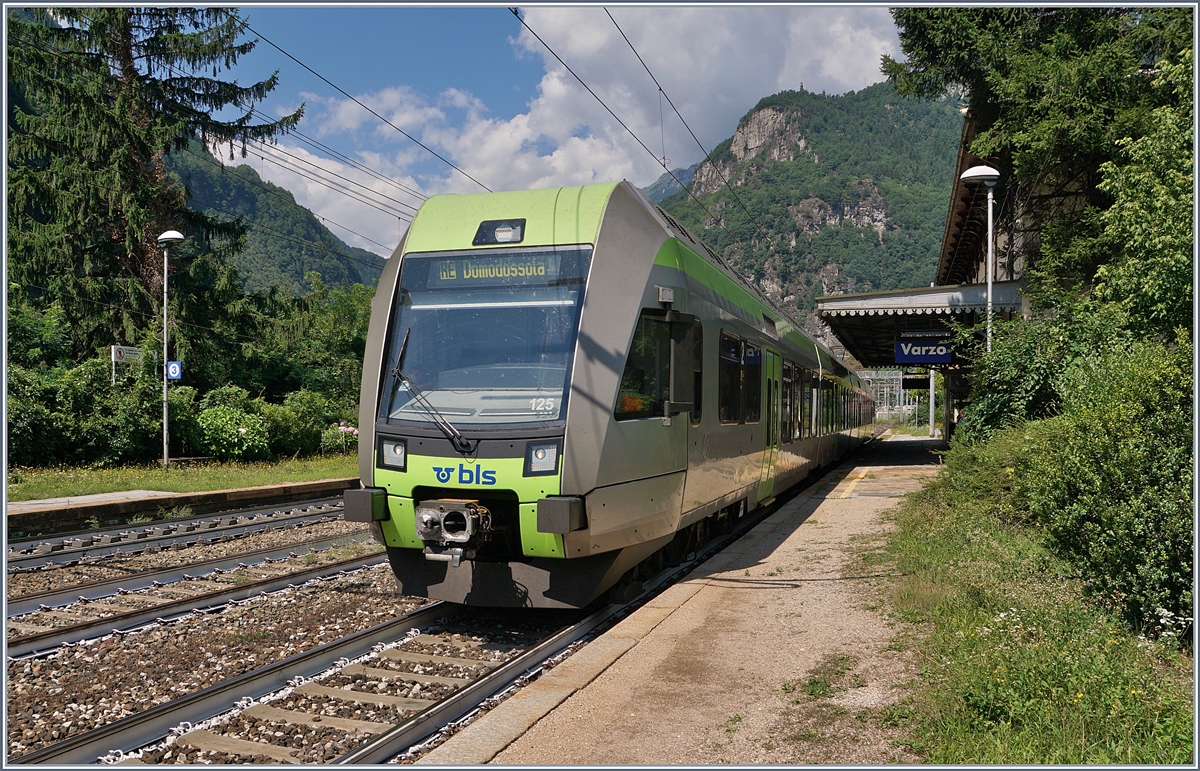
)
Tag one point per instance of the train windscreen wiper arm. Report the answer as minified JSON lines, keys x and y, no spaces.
{"x":460,"y":442}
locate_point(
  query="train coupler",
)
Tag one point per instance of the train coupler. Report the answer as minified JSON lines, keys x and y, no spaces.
{"x":454,"y":555}
{"x":451,"y":528}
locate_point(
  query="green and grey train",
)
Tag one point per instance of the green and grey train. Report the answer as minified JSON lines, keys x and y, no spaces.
{"x":559,"y":384}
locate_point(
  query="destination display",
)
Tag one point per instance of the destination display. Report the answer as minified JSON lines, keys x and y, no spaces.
{"x":923,"y":352}
{"x":505,"y":270}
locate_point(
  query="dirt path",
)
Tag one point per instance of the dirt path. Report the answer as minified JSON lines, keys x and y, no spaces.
{"x":782,"y":656}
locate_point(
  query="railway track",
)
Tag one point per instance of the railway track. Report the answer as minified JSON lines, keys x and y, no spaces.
{"x":20,"y":605}
{"x":397,"y":689}
{"x":118,"y":609}
{"x":82,"y":547}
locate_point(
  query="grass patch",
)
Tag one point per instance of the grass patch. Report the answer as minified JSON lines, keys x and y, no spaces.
{"x":1018,"y":667}
{"x":911,"y":430}
{"x":34,"y":484}
{"x":827,"y":676}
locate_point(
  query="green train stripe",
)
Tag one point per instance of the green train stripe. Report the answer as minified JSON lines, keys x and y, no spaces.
{"x":557,"y":216}
{"x":731,"y":296}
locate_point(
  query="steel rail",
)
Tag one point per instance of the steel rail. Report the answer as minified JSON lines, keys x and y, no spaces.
{"x":135,"y":731}
{"x":94,"y":590}
{"x":458,"y":704}
{"x":20,"y":544}
{"x":185,"y":534}
{"x":45,"y":642}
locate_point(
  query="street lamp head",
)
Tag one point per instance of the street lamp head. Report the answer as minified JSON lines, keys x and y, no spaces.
{"x":985,"y":174}
{"x":170,"y":237}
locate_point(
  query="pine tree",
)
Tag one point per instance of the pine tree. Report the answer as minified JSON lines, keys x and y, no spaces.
{"x":99,"y":97}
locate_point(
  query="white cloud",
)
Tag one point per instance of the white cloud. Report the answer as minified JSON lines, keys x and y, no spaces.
{"x":714,"y":63}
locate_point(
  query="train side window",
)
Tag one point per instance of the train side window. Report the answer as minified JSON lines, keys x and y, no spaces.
{"x":729,"y":388}
{"x":698,"y":369}
{"x":805,"y":404}
{"x":753,"y":382}
{"x":826,"y":406}
{"x":646,"y":381}
{"x":796,"y":396}
{"x":786,"y":402}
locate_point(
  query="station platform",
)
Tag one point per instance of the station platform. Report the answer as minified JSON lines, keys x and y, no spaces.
{"x":49,"y":515}
{"x":774,"y":651}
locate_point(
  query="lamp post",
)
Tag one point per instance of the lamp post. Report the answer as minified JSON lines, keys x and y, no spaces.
{"x":988,"y":176}
{"x":165,"y":241}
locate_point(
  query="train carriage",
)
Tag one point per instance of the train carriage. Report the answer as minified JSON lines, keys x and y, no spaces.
{"x":559,"y":383}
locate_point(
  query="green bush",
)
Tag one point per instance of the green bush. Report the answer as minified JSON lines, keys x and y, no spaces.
{"x":232,"y":396}
{"x":339,"y":438}
{"x":286,"y":435}
{"x":230,"y":434}
{"x":76,"y":415}
{"x":35,"y":436}
{"x":314,"y":412}
{"x":1017,"y":665}
{"x":1112,"y":479}
{"x":185,"y":435}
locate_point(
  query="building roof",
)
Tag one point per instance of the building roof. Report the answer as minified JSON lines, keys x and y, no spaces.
{"x":869,"y":323}
{"x":965,"y":237}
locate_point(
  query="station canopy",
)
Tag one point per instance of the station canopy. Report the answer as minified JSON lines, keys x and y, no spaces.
{"x":870,"y":323}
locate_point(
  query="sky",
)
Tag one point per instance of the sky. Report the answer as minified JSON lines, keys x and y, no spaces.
{"x":478,"y":89}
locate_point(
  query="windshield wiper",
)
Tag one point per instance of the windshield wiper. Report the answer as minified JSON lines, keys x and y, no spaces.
{"x":460,"y":442}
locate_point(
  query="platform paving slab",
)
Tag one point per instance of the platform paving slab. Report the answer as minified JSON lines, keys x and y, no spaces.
{"x":715,"y":669}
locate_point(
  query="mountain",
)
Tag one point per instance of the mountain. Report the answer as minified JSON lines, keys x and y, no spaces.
{"x":284,"y":240}
{"x":670,"y":183}
{"x":828,"y":194}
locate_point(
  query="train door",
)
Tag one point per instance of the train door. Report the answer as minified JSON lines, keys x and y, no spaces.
{"x":772,"y":374}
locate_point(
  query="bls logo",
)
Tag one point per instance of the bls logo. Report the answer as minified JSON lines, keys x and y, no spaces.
{"x":466,"y":475}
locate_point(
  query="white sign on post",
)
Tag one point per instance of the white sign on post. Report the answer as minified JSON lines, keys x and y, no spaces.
{"x":126,"y":354}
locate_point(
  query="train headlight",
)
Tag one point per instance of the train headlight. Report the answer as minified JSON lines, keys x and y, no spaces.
{"x":541,"y":458}
{"x":393,"y":454}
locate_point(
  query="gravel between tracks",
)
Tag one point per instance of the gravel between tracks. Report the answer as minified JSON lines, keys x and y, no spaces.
{"x":84,"y":686}
{"x":59,"y":577}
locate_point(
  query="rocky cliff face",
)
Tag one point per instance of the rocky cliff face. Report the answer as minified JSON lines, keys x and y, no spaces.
{"x":828,"y":194}
{"x":770,"y":134}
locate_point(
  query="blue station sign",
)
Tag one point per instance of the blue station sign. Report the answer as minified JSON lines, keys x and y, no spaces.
{"x":923,"y":352}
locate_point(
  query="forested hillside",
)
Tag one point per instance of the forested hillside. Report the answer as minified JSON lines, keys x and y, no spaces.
{"x":830,"y":194}
{"x":284,"y":240}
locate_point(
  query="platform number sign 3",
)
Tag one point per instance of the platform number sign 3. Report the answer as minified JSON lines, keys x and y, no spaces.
{"x":174,"y":370}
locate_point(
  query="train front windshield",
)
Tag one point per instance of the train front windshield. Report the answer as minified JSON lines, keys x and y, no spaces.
{"x":490,"y":336}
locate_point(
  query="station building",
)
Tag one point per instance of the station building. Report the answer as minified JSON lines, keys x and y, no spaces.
{"x":895,"y":328}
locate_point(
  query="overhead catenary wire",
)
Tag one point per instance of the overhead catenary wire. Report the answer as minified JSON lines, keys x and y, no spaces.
{"x":280,"y":196}
{"x":694,"y":197}
{"x":368,"y":109}
{"x":348,"y":160}
{"x":265,"y":146}
{"x":707,"y":155}
{"x":294,"y":239}
{"x":515,"y":12}
{"x":334,"y":186}
{"x":276,"y":149}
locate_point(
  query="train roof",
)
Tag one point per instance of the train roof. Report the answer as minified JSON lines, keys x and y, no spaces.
{"x":573,"y":215}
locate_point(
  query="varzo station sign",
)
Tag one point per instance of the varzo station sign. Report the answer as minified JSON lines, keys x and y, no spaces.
{"x":923,"y":352}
